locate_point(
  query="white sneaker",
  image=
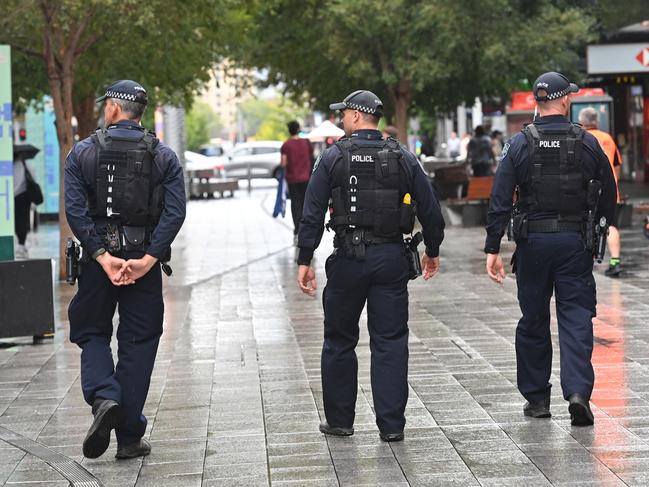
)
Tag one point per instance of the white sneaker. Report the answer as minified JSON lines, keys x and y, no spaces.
{"x":21,"y":252}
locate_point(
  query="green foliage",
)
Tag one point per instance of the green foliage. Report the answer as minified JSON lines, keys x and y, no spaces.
{"x":267,"y":119}
{"x":433,"y":54}
{"x":201,"y":124}
{"x":166,"y":45}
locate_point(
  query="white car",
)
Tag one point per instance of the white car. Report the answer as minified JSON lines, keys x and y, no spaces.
{"x":198,"y":165}
{"x":261,"y":158}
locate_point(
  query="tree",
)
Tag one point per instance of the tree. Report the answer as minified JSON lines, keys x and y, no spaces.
{"x":82,"y":45}
{"x":430,"y":54}
{"x":267,"y":119}
{"x":201,"y":124}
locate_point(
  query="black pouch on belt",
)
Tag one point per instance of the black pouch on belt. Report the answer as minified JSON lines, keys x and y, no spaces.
{"x":133,"y":238}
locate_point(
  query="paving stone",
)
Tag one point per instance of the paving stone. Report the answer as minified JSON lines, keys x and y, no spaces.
{"x":236,"y":394}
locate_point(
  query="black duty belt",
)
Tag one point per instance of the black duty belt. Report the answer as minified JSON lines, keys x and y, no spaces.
{"x":552,"y":225}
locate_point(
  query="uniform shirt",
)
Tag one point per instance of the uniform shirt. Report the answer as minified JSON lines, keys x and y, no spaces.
{"x":513,"y":171}
{"x":318,"y":193}
{"x":80,"y":175}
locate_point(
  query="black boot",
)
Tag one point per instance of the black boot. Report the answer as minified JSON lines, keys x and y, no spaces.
{"x":538,"y":409}
{"x":391,"y":437}
{"x":580,"y":413}
{"x":335,"y":430}
{"x":140,"y":448}
{"x":108,"y":415}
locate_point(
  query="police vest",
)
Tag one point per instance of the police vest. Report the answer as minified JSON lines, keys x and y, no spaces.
{"x":128,"y":186}
{"x":555,"y":181}
{"x":367,"y":188}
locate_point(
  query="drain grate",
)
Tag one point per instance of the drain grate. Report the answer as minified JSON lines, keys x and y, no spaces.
{"x":71,"y":470}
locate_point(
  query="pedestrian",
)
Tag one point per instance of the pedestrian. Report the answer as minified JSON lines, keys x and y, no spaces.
{"x":589,"y":120}
{"x":373,"y":184}
{"x":480,"y":154}
{"x":297,"y":161}
{"x":125,"y":202}
{"x":464,"y":146}
{"x":22,"y":170}
{"x":390,"y":131}
{"x":556,"y":167}
{"x":453,"y":145}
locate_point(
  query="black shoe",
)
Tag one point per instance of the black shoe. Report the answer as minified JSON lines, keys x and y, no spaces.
{"x":613,"y":270}
{"x":540,"y":409}
{"x":580,"y":413}
{"x":140,"y":448}
{"x":108,"y":415}
{"x":335,"y":430}
{"x":391,"y":437}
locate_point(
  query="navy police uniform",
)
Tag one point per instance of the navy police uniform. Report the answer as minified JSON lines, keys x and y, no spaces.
{"x":369,"y":264}
{"x":140,"y":305}
{"x":551,"y":164}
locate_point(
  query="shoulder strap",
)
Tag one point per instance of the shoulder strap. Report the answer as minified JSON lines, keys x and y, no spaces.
{"x":99,"y":137}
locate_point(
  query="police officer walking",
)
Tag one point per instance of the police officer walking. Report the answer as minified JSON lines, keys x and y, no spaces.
{"x":564,"y":185}
{"x":373,"y":185}
{"x":125,"y":202}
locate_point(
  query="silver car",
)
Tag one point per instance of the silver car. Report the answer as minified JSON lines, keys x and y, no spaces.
{"x":261,"y":158}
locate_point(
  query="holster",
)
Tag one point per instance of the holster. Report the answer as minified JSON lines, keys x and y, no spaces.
{"x":519,"y":226}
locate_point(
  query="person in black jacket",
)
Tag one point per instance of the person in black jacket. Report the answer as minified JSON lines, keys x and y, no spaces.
{"x":561,"y":174}
{"x":125,"y":203}
{"x":373,"y":184}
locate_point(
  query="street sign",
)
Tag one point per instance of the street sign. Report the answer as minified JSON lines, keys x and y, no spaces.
{"x":618,"y":58}
{"x":6,"y":158}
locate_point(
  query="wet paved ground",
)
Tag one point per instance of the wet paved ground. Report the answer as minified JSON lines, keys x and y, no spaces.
{"x":236,"y":395}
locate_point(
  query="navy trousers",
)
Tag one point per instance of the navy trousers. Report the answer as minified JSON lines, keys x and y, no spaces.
{"x":547,"y":263}
{"x":91,"y":311}
{"x":381,"y":280}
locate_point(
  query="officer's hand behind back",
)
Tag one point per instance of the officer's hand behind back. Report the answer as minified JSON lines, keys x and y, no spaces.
{"x":306,"y":280}
{"x":113,"y":267}
{"x":429,"y":266}
{"x":495,"y":268}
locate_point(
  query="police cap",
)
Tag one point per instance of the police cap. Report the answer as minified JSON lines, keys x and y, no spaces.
{"x":554,"y":85}
{"x":125,"y":89}
{"x":361,"y":100}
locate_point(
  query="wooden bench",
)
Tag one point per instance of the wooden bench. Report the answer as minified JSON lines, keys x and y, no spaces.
{"x":473,"y":207}
{"x":204,"y":184}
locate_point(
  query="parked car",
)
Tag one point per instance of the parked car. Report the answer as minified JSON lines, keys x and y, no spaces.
{"x":262,"y":158}
{"x":212,"y":150}
{"x":207,"y":166}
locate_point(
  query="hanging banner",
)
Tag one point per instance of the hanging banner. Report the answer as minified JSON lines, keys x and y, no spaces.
{"x":6,"y":158}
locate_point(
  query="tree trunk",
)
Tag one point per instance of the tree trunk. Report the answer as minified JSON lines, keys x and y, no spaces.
{"x":84,"y":110}
{"x":401,"y":98}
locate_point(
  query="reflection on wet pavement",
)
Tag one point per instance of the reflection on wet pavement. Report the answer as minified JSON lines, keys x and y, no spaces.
{"x":236,"y":394}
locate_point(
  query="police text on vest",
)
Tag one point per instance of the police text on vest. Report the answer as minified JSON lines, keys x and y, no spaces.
{"x":362,"y":158}
{"x":549,"y":144}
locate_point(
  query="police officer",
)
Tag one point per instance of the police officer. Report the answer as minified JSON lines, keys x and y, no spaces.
{"x":125,"y":202}
{"x":559,"y":170}
{"x":373,"y":185}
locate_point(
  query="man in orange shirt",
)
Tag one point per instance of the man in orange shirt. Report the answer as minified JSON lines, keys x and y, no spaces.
{"x":588,"y":119}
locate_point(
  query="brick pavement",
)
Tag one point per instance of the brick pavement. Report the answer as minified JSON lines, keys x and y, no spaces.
{"x":236,"y":395}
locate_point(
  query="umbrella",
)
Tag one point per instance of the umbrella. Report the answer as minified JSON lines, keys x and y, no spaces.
{"x":25,"y":151}
{"x":325,"y":130}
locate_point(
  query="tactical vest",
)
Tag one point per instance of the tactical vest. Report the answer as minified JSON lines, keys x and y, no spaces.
{"x":367,"y":190}
{"x":555,"y":181}
{"x":128,"y":187}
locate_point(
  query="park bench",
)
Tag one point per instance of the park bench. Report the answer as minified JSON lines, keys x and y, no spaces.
{"x":204,"y":184}
{"x":472,"y":209}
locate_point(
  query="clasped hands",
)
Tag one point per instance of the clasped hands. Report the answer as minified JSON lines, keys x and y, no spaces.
{"x":125,"y":272}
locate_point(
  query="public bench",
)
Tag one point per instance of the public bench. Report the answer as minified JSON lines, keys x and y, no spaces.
{"x":472,"y":209}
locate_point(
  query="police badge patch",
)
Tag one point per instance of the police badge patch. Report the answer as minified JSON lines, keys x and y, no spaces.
{"x":505,"y":149}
